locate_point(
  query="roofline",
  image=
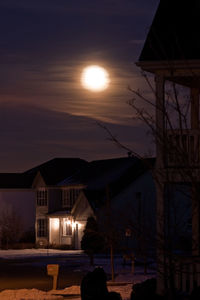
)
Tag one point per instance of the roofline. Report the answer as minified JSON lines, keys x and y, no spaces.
{"x":170,"y":65}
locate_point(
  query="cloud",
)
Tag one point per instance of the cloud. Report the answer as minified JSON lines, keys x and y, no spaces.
{"x":31,"y":135}
{"x":104,"y":7}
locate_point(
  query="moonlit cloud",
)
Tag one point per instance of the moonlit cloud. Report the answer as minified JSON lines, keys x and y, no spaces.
{"x":44,"y":47}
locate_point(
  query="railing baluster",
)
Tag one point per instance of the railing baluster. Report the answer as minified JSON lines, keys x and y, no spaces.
{"x":184,"y":148}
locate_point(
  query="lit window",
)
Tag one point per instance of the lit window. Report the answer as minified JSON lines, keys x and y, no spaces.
{"x":42,"y":197}
{"x":67,"y":226}
{"x":69,"y":197}
{"x":42,"y":225}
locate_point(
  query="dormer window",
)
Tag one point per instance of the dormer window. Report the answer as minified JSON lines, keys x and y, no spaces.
{"x":69,"y":197}
{"x":42,"y":197}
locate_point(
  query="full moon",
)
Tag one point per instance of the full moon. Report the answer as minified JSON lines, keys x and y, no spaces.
{"x":95,"y":78}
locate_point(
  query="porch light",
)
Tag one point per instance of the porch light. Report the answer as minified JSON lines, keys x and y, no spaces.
{"x":68,"y":222}
{"x":74,"y":224}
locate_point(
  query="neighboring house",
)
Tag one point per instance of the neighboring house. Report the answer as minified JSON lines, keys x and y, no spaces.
{"x":172,"y":54}
{"x":122,"y":195}
{"x":55,"y":223}
{"x":65,"y":202}
{"x":55,"y":199}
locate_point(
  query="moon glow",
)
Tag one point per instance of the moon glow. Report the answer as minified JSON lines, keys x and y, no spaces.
{"x":95,"y":78}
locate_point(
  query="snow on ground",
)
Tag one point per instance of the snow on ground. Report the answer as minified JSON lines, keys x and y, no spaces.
{"x":37,"y":252}
{"x":124,"y":279}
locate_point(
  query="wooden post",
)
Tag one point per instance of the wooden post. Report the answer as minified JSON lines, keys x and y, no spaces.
{"x":132,"y":263}
{"x":195,"y":220}
{"x":109,"y":233}
{"x":194,"y":94}
{"x":159,"y":174}
{"x":160,"y":119}
{"x":52,"y":270}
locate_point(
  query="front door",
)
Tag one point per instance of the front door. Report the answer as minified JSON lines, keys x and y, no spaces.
{"x":54,"y":231}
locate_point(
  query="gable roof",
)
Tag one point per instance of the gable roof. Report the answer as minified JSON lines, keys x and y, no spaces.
{"x":52,"y":171}
{"x":99,"y":172}
{"x":96,"y":194}
{"x":58,"y":169}
{"x":174,"y":33}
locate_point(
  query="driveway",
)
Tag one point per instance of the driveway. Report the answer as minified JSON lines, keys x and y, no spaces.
{"x":31,"y":272}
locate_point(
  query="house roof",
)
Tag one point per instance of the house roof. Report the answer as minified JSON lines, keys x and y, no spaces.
{"x":174,"y":33}
{"x":56,"y":170}
{"x":96,"y":175}
{"x":133,"y":168}
{"x":99,"y":172}
{"x":52,"y":171}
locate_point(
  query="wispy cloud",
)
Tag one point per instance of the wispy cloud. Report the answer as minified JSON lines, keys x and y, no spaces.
{"x":104,"y":7}
{"x":63,"y":135}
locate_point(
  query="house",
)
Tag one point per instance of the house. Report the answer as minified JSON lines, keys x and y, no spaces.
{"x":55,"y":198}
{"x":171,"y":53}
{"x":66,"y":199}
{"x":122,"y":195}
{"x":18,"y":205}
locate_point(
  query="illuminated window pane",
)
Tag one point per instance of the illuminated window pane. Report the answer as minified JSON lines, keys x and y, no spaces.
{"x":67,"y":226}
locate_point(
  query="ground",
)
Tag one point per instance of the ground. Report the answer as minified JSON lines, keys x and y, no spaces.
{"x":23,"y":274}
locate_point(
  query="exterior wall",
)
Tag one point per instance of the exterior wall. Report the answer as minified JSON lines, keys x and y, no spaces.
{"x":81,"y":211}
{"x":54,"y":199}
{"x":41,"y":212}
{"x":135,"y":209}
{"x":22,"y":203}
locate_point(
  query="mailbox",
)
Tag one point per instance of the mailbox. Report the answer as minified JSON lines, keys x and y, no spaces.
{"x":52,"y":270}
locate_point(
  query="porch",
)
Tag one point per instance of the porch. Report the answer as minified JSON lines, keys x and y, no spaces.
{"x":186,"y":271}
{"x":64,"y":230}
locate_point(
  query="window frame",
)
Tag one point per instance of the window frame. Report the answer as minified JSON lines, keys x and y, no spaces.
{"x":42,"y":197}
{"x":67,"y":227}
{"x":42,"y":228}
{"x":69,"y":197}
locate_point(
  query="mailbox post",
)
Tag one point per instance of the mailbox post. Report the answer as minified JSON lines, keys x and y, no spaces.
{"x":52,"y":270}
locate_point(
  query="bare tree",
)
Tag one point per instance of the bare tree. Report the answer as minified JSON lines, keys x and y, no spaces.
{"x":180,"y":151}
{"x":10,"y":226}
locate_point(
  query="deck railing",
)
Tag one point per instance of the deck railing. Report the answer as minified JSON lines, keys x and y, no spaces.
{"x":187,"y":273}
{"x":182,"y":148}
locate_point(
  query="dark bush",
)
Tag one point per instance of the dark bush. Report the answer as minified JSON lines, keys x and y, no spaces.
{"x":114,"y":296}
{"x":92,"y":241}
{"x":93,"y":285}
{"x":195,"y":295}
{"x":145,"y":290}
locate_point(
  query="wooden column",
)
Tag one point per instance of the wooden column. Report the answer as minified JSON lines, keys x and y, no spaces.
{"x":159,"y":180}
{"x":194,"y":94}
{"x":160,"y":239}
{"x":160,"y":119}
{"x":195,"y":219}
{"x":195,"y":186}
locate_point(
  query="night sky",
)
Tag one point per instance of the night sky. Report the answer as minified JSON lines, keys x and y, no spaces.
{"x":45,"y":112}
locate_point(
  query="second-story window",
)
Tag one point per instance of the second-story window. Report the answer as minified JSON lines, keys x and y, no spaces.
{"x":42,"y":196}
{"x":69,"y":197}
